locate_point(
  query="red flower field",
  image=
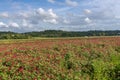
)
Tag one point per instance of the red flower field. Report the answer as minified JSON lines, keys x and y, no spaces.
{"x":60,"y":59}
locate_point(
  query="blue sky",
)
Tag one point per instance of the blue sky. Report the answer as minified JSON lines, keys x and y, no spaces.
{"x":68,"y":15}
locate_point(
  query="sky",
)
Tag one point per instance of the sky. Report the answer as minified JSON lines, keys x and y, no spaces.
{"x":67,"y":15}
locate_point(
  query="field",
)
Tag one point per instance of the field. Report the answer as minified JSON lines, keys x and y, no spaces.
{"x":95,"y":58}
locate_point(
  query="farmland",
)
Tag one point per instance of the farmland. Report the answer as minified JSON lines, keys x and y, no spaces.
{"x":94,"y":58}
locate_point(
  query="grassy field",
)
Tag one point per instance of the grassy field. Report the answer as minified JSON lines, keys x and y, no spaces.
{"x":89,"y":58}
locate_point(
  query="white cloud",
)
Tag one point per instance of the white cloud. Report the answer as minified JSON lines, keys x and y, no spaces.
{"x":4,"y":15}
{"x":27,"y":24}
{"x":14,"y":25}
{"x":24,"y":23}
{"x":88,"y":20}
{"x":47,"y":16}
{"x":3,"y":25}
{"x":23,"y":14}
{"x":52,"y":21}
{"x":41,"y":12}
{"x":106,"y":8}
{"x":71,"y":3}
{"x":51,"y":1}
{"x":87,"y":11}
{"x":52,"y":14}
{"x":103,"y":13}
{"x":66,"y":21}
{"x":117,"y":17}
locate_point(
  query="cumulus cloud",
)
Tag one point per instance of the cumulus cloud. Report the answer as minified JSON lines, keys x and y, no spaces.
{"x":4,"y":15}
{"x":23,"y":15}
{"x":73,"y":20}
{"x":87,"y":20}
{"x":52,"y":21}
{"x":47,"y":16}
{"x":41,"y":11}
{"x":51,"y":1}
{"x":11,"y":24}
{"x":14,"y":25}
{"x":71,"y":3}
{"x":87,"y":11}
{"x":106,"y":8}
{"x":24,"y":23}
{"x":103,"y":14}
{"x":66,"y":21}
{"x":52,"y":14}
{"x":117,"y":17}
{"x":3,"y":25}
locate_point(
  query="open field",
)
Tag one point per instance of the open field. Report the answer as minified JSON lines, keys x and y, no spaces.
{"x":96,"y":58}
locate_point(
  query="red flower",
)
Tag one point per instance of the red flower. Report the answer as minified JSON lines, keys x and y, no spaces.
{"x":20,"y":69}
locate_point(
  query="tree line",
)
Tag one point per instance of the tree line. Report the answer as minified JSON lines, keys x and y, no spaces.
{"x":57,"y":33}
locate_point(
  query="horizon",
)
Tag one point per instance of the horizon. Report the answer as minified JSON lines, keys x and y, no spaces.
{"x":61,"y":30}
{"x":67,"y":15}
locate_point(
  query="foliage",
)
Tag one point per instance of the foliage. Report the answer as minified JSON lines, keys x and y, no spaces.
{"x":62,"y":62}
{"x":57,"y":33}
{"x":11,"y":35}
{"x":60,"y":33}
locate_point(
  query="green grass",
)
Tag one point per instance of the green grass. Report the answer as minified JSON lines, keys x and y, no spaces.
{"x":47,"y":38}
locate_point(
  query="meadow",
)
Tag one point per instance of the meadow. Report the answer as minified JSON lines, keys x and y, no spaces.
{"x":90,"y":58}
